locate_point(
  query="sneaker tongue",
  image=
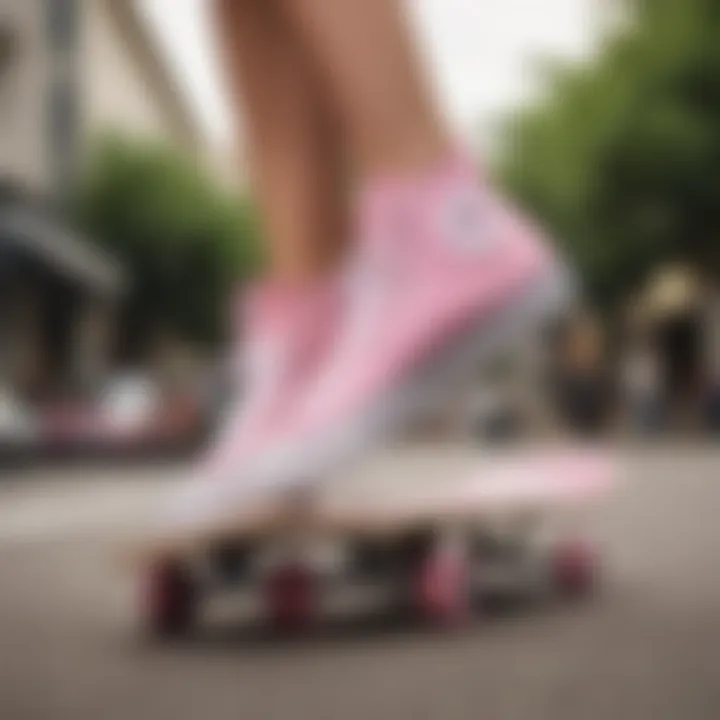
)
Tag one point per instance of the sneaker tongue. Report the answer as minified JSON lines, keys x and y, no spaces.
{"x":393,"y":188}
{"x":271,"y":308}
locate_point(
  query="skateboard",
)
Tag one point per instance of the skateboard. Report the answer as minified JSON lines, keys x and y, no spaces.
{"x":510,"y":525}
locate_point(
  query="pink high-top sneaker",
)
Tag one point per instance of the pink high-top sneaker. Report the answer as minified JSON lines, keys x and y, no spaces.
{"x":284,"y":332}
{"x":446,"y":277}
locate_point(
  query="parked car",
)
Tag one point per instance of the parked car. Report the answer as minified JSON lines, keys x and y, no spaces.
{"x":131,"y":415}
{"x":18,"y":427}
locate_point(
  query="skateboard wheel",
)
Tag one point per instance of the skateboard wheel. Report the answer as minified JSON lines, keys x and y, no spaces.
{"x":291,"y":598}
{"x":170,"y":600}
{"x":575,"y":567}
{"x":442,"y":589}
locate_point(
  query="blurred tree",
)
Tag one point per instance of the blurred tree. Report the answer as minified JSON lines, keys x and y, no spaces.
{"x":621,"y":160}
{"x":183,"y":241}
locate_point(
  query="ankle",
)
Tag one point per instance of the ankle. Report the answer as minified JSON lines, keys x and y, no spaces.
{"x":310,"y":273}
{"x":435,"y":176}
{"x":408,"y":157}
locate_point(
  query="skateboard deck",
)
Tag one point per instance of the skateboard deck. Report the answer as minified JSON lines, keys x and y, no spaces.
{"x":529,"y":484}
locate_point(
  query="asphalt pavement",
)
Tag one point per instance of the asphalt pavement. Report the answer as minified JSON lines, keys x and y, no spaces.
{"x":647,"y":646}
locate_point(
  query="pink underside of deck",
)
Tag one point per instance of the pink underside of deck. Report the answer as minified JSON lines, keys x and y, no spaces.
{"x":537,"y":480}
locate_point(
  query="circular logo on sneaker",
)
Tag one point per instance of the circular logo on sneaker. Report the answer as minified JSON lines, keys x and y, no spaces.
{"x":467,"y":224}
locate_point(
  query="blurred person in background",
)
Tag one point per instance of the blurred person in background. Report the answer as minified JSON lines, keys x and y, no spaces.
{"x":642,"y":383}
{"x":582,"y":383}
{"x":712,"y":401}
{"x":712,"y":364}
{"x":385,"y":247}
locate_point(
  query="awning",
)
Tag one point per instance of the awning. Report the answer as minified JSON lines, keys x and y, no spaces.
{"x":60,"y":250}
{"x":673,"y":291}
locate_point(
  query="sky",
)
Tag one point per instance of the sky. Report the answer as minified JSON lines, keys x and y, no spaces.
{"x":480,"y":52}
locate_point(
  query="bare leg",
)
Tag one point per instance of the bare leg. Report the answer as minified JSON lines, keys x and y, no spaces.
{"x":365,"y":51}
{"x":292,"y":138}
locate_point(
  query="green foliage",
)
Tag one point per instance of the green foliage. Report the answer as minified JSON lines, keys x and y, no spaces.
{"x":621,"y":160}
{"x":182,"y":241}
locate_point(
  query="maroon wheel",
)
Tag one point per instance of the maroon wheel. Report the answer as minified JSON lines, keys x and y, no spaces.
{"x":575,"y":568}
{"x":169,"y":600}
{"x":291,"y":597}
{"x":441,"y":589}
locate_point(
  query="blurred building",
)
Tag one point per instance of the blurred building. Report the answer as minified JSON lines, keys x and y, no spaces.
{"x":69,"y":71}
{"x":56,"y":300}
